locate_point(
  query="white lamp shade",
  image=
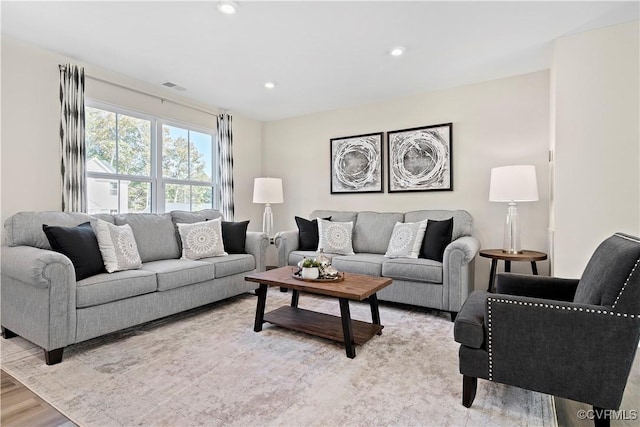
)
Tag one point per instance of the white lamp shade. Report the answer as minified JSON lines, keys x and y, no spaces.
{"x":267,"y":190}
{"x":513,"y":184}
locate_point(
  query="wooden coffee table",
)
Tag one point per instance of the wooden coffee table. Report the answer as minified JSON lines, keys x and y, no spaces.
{"x":355,"y":287}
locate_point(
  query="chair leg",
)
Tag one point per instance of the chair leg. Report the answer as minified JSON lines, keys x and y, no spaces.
{"x":601,"y":417}
{"x":469,"y":386}
{"x":6,"y":333}
{"x":53,"y":357}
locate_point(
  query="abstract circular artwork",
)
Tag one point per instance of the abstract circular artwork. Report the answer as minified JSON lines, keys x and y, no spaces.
{"x":356,"y":164}
{"x":420,"y":159}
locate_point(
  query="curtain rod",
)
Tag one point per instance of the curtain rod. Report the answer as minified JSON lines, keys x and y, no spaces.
{"x":162,"y":99}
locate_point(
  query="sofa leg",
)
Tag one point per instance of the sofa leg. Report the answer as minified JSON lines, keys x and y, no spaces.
{"x":453,"y":314}
{"x":53,"y":357}
{"x":469,"y":386}
{"x":6,"y":333}
{"x":601,"y":417}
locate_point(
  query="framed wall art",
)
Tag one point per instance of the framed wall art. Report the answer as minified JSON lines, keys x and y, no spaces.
{"x":356,"y":164}
{"x":420,"y":159}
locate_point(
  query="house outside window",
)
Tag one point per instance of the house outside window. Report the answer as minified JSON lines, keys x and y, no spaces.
{"x":141,"y":163}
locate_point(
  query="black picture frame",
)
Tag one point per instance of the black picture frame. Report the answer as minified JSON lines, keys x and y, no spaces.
{"x":357,"y":164}
{"x":420,"y":159}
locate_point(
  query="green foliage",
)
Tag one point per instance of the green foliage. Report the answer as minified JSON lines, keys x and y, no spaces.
{"x":309,"y":263}
{"x":128,"y":151}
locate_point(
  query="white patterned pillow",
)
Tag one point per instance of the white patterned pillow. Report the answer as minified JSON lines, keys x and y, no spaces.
{"x":117,"y":246}
{"x":202,"y":239}
{"x":406,"y":240}
{"x":335,"y":237}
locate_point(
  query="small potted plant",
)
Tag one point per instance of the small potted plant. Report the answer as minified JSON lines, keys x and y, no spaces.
{"x":310,"y":269}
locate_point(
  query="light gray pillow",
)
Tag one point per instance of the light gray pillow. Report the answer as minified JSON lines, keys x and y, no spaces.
{"x":202,"y":239}
{"x":117,"y":246}
{"x":335,"y":237}
{"x":406,"y":240}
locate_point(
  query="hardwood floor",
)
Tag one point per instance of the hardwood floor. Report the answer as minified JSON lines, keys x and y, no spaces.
{"x":20,"y":407}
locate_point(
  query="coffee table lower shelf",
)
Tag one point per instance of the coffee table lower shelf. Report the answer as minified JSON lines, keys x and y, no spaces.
{"x":321,"y":324}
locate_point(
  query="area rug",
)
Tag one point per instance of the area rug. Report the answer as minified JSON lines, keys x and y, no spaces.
{"x":208,"y":367}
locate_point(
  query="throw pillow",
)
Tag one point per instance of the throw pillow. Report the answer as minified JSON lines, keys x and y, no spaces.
{"x":117,"y":246}
{"x":80,"y":245}
{"x":436,"y":238}
{"x":308,"y":233}
{"x":234,"y":235}
{"x":335,"y":237}
{"x":406,"y":240}
{"x":202,"y":239}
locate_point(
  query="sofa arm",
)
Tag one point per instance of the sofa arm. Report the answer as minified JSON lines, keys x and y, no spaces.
{"x":35,"y":266}
{"x":457,"y":272}
{"x":286,"y":242}
{"x":577,"y":351}
{"x":256,"y":244}
{"x":39,"y":296}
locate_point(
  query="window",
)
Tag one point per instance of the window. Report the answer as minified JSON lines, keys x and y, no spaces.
{"x":138,"y":163}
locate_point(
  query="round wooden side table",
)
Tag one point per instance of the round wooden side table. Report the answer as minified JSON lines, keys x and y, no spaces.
{"x":498,"y":254}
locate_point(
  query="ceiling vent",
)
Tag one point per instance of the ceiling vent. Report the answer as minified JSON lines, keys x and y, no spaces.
{"x":172,"y":85}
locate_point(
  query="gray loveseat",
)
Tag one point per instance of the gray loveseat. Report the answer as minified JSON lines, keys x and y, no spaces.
{"x":422,"y":282}
{"x":43,"y":302}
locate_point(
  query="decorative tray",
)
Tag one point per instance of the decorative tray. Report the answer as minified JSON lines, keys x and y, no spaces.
{"x":339,"y":278}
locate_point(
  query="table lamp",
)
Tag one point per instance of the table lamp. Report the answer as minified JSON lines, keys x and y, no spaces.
{"x":513,"y":184}
{"x":267,"y":191}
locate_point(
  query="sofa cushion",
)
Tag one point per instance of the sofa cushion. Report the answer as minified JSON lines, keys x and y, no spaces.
{"x":468,"y":329}
{"x":234,"y":236}
{"x":154,"y":233}
{"x":175,"y":273}
{"x":418,"y":270}
{"x":232,"y":264}
{"x":80,"y":245}
{"x":373,"y":231}
{"x":370,"y":264}
{"x":105,"y":287}
{"x":202,"y":239}
{"x":296,"y":256}
{"x":462,"y":222}
{"x":338,"y":216}
{"x":335,"y":237}
{"x":118,"y":246}
{"x":25,"y":228}
{"x":436,"y":238}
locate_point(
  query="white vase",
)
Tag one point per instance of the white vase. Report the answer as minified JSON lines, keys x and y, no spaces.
{"x":310,"y":273}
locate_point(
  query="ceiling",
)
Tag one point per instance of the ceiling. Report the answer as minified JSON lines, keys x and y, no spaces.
{"x":322,"y":55}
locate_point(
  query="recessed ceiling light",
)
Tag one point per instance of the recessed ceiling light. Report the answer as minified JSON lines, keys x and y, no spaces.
{"x":396,"y":51}
{"x":227,"y":7}
{"x":270,"y":85}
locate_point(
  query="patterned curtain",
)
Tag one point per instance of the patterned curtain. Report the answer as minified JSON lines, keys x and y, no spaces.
{"x":225,"y":174}
{"x":74,"y":180}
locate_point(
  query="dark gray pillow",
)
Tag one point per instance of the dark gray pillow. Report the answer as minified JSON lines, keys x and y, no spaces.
{"x":308,"y":233}
{"x":80,"y":245}
{"x":234,"y":235}
{"x":436,"y":238}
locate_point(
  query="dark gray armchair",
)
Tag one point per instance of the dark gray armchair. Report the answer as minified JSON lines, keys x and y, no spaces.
{"x":575,"y":339}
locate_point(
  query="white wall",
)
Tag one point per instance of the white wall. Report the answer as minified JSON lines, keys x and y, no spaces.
{"x":597,"y":149}
{"x":30,"y":120}
{"x":495,"y":123}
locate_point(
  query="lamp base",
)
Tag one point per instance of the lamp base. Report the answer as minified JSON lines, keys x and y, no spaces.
{"x":267,"y":221}
{"x":512,"y":231}
{"x":505,"y":251}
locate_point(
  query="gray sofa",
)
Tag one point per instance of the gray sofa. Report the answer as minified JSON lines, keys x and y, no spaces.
{"x":422,"y":282}
{"x":43,"y":302}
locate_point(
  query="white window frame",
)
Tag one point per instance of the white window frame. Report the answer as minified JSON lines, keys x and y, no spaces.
{"x":158,"y":182}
